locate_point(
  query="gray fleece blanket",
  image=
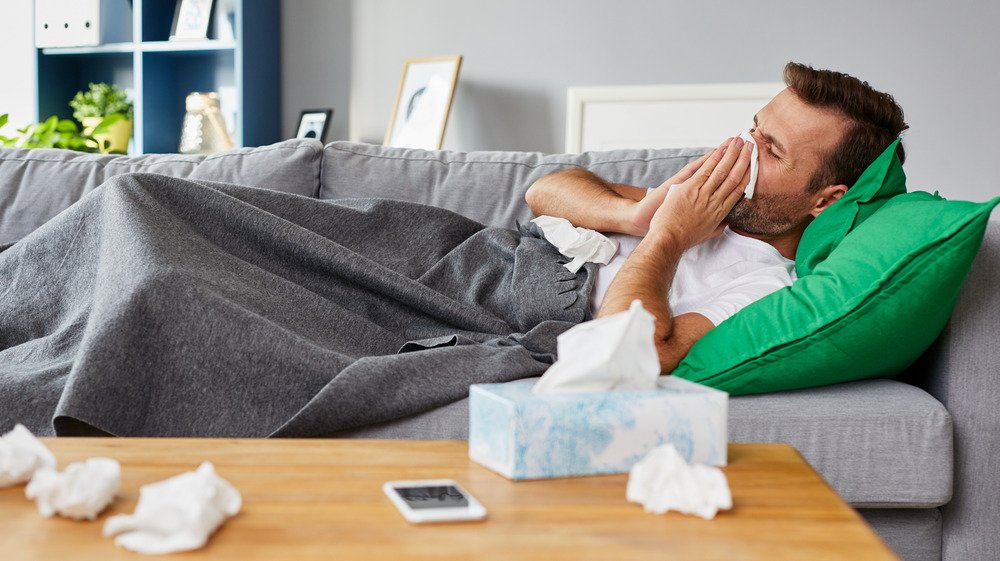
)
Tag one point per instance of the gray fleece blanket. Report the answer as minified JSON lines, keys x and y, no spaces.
{"x":157,"y":306}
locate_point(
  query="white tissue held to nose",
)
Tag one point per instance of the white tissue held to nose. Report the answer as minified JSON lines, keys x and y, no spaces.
{"x":748,"y":193}
{"x":611,"y":353}
{"x":21,"y":454}
{"x":663,"y":481}
{"x":582,"y":245}
{"x":176,"y":514}
{"x":81,"y":492}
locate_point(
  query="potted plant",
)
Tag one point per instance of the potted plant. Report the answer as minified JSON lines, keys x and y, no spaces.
{"x":52,"y":133}
{"x":107,"y":107}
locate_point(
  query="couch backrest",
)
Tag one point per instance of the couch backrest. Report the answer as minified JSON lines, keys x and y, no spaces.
{"x":966,"y":358}
{"x":488,"y":186}
{"x":36,"y":185}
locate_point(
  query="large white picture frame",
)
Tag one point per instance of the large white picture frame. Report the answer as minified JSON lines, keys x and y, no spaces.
{"x":669,"y":116}
{"x":423,"y":102}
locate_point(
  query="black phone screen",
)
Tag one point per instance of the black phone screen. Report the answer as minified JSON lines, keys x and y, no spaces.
{"x":432,"y":497}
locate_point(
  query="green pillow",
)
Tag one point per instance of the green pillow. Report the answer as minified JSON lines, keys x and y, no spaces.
{"x":882,"y":180}
{"x":869,"y":309}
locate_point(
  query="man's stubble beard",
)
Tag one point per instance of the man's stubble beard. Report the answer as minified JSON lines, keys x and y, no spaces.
{"x":767,"y":215}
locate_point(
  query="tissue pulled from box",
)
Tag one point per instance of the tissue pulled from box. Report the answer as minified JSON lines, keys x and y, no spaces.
{"x":176,"y":514}
{"x":81,"y":492}
{"x":615,"y":352}
{"x":663,"y":481}
{"x":748,"y":193}
{"x":582,"y":245}
{"x":21,"y":454}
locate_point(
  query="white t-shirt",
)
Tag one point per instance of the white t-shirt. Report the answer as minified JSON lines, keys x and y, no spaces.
{"x":716,"y":278}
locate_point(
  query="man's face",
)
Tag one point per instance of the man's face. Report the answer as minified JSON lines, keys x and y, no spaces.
{"x":793,"y":140}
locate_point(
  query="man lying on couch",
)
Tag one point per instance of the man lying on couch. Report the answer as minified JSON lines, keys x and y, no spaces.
{"x":158,"y":306}
{"x":815,"y":139}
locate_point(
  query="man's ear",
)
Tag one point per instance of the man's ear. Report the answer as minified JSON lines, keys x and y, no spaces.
{"x":826,"y":197}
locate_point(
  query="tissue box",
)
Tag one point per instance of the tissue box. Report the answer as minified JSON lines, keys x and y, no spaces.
{"x":526,"y":436}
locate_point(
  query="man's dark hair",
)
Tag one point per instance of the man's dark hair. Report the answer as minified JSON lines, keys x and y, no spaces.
{"x":874,"y":121}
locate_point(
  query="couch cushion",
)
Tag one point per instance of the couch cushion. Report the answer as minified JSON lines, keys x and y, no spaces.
{"x":485,"y":186}
{"x":879,"y":443}
{"x":35,"y":185}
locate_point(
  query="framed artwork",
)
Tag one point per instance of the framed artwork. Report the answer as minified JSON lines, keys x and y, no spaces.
{"x":423,"y":102}
{"x":191,"y":18}
{"x":313,"y":123}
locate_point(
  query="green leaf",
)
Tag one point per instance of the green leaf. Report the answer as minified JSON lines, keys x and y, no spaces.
{"x":3,"y":119}
{"x":66,"y":125}
{"x":106,"y":123}
{"x":50,"y":124}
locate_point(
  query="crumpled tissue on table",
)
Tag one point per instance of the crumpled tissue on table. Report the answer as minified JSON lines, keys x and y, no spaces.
{"x":582,"y":245}
{"x":21,"y":454}
{"x":663,"y":481}
{"x":82,"y":491}
{"x":611,"y":353}
{"x":176,"y":514}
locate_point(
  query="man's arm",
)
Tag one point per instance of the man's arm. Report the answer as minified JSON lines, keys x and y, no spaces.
{"x":589,"y":201}
{"x":691,"y":214}
{"x":585,"y":199}
{"x":647,"y":275}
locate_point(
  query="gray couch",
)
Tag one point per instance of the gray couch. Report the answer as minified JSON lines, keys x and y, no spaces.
{"x":917,"y":456}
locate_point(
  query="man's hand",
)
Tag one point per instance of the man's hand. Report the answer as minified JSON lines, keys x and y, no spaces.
{"x":694,"y":209}
{"x":686,"y":215}
{"x":642,"y":211}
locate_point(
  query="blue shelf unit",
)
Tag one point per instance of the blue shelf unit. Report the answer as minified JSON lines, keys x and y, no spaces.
{"x":243,"y":65}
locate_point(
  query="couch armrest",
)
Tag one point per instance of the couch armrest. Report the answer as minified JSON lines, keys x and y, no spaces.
{"x":963,"y":372}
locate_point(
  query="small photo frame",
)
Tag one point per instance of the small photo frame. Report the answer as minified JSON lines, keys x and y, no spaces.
{"x":423,"y":102}
{"x":313,"y":123}
{"x":191,"y":20}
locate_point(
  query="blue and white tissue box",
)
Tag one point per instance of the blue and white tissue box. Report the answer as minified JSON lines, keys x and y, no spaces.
{"x":522,"y":435}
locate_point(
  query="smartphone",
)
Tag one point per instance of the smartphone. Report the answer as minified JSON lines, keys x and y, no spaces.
{"x":433,"y":500}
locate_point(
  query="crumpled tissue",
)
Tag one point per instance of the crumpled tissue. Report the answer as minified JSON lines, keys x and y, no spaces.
{"x":663,"y":481}
{"x":176,"y":514}
{"x":21,"y":454}
{"x":748,"y":193}
{"x":611,"y":353}
{"x":582,"y":245}
{"x":82,"y":491}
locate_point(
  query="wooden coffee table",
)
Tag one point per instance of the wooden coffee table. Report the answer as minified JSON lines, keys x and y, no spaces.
{"x":322,"y":499}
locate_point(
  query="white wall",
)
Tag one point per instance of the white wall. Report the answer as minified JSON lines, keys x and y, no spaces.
{"x":17,"y":63}
{"x":938,"y":58}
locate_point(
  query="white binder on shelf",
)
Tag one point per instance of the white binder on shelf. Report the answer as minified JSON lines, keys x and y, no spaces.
{"x":82,"y":23}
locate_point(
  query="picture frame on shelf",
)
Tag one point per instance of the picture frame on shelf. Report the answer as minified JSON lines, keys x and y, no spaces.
{"x":191,"y":20}
{"x":314,"y":123}
{"x":423,"y":102}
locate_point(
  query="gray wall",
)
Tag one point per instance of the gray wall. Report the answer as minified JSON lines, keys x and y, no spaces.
{"x":938,"y":59}
{"x":315,"y":62}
